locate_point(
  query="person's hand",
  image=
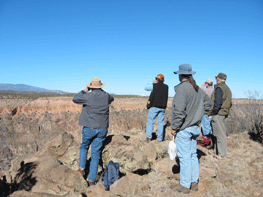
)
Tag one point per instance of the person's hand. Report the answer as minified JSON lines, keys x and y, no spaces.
{"x":203,"y":85}
{"x":86,"y":89}
{"x":173,"y":132}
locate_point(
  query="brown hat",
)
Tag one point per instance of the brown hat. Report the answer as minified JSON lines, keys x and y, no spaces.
{"x":95,"y":83}
{"x":221,"y":76}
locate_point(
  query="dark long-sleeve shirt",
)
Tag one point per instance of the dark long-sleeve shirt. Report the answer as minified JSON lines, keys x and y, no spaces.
{"x":218,"y":101}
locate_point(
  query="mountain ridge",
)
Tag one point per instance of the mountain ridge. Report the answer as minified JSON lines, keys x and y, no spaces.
{"x":25,"y":88}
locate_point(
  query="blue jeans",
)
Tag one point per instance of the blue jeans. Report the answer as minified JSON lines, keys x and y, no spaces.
{"x":206,"y":125}
{"x":95,"y":138}
{"x":187,"y":153}
{"x":153,"y":113}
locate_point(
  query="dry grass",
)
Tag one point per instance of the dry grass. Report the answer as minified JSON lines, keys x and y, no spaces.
{"x":247,"y":116}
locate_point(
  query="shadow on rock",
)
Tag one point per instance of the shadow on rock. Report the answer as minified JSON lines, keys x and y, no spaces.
{"x":24,"y":179}
{"x":4,"y":187}
{"x":142,"y":172}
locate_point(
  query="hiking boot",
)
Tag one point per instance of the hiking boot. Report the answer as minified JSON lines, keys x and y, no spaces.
{"x":148,"y":139}
{"x":194,"y":186}
{"x":90,"y":183}
{"x":81,"y":171}
{"x":180,"y":188}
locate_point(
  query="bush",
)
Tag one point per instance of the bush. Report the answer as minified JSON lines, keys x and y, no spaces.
{"x":248,"y":116}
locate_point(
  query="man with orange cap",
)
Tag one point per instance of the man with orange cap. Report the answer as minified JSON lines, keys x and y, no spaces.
{"x":157,"y":104}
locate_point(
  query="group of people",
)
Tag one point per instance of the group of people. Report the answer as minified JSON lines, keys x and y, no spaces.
{"x":191,"y":106}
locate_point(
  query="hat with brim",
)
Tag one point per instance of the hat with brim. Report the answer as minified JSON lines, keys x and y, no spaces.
{"x":221,"y":76}
{"x":185,"y":69}
{"x":95,"y":83}
{"x":208,"y":80}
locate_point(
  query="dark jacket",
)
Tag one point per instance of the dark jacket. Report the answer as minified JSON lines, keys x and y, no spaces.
{"x":222,"y":100}
{"x":189,"y":106}
{"x":159,"y":96}
{"x":95,"y":111}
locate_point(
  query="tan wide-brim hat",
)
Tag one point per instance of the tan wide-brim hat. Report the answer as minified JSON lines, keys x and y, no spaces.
{"x":95,"y":83}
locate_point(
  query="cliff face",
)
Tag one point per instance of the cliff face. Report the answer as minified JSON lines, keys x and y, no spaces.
{"x":39,"y":150}
{"x":54,"y":105}
{"x":26,"y":125}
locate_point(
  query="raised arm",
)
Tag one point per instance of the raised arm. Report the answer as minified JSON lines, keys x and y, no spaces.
{"x":79,"y":98}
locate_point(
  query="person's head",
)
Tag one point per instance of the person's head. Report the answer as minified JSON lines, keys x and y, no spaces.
{"x":185,"y":73}
{"x":208,"y":82}
{"x":95,"y":83}
{"x":221,"y":77}
{"x":160,"y":78}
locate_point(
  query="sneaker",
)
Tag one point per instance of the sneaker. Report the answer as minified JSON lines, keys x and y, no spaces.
{"x":180,"y":188}
{"x":194,"y":186}
{"x":81,"y":171}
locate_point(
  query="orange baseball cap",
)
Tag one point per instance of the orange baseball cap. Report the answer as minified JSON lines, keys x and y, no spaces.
{"x":160,"y":76}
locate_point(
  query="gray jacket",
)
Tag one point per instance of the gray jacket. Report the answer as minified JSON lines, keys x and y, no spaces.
{"x":189,"y":106}
{"x":95,"y":110}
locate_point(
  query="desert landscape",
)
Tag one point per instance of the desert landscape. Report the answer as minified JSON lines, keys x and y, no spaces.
{"x":40,"y":139}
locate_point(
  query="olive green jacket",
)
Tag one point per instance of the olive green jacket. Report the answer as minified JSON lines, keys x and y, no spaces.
{"x":227,"y":99}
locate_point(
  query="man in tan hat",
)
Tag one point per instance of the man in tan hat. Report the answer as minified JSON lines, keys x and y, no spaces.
{"x":94,"y":118}
{"x":222,"y":102}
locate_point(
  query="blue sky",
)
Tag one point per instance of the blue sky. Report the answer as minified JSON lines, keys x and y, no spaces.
{"x":62,"y":44}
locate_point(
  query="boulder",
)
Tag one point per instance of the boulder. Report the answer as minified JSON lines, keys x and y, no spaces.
{"x":58,"y":146}
{"x":129,"y":157}
{"x":31,"y":194}
{"x":126,"y":186}
{"x":150,"y":152}
{"x":99,"y":190}
{"x":167,"y":167}
{"x":47,"y":175}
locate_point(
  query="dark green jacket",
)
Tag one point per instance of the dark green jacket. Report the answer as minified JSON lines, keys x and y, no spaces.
{"x":226,"y":99}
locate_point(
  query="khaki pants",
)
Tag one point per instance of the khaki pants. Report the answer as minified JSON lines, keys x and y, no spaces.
{"x":219,"y":125}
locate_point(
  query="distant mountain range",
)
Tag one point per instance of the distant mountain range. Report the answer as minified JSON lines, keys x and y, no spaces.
{"x":24,"y":88}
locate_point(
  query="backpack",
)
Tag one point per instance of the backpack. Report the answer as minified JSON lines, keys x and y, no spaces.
{"x":111,"y":174}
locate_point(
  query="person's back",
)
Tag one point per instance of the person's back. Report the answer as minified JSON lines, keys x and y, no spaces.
{"x":95,"y":111}
{"x":188,"y":108}
{"x":156,"y":104}
{"x":159,"y":96}
{"x":186,"y":104}
{"x":94,"y":118}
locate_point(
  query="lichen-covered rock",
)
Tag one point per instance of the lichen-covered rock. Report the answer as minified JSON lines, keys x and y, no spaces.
{"x":129,"y":157}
